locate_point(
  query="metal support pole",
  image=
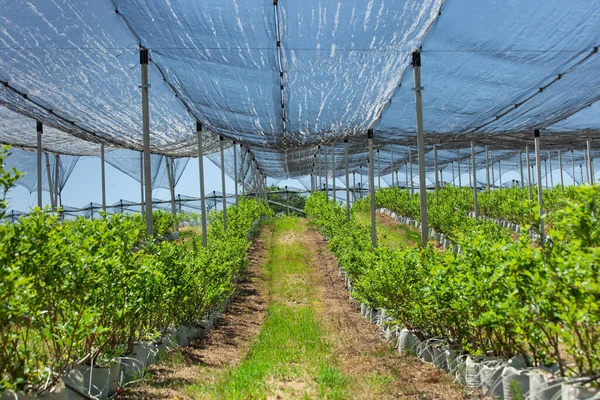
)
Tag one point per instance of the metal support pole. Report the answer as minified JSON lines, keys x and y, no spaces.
{"x":521,"y":168}
{"x":320,"y":170}
{"x":546,"y":171}
{"x":40,"y":131}
{"x":201,"y":174}
{"x":333,"y":172}
{"x":326,"y":176}
{"x":353,"y":187}
{"x":492,"y":165}
{"x":475,"y":203}
{"x":406,"y":172}
{"x":453,"y":175}
{"x":435,"y":169}
{"x":560,"y":167}
{"x":499,"y":174}
{"x":372,"y":189}
{"x":550,"y":165}
{"x":171,"y":177}
{"x":57,"y":180}
{"x":581,"y":175}
{"x":235,"y":173}
{"x":360,"y":185}
{"x":103,"y":176}
{"x":590,"y":162}
{"x":458,"y":163}
{"x":528,"y":173}
{"x":469,"y":169}
{"x":223,"y":189}
{"x":378,"y":169}
{"x":50,"y":185}
{"x":416,"y":63}
{"x":144,"y":58}
{"x":539,"y":177}
{"x":142,"y":185}
{"x":412,"y":188}
{"x":487,"y":168}
{"x":347,"y":179}
{"x":585,"y":162}
{"x":287,"y":199}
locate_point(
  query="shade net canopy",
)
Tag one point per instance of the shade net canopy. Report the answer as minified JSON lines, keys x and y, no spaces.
{"x":283,"y":78}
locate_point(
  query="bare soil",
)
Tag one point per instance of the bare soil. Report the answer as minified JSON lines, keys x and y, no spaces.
{"x":224,"y":347}
{"x":377,"y":370}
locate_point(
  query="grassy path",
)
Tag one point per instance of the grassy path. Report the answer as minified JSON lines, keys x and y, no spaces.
{"x":390,"y":233}
{"x":310,"y":343}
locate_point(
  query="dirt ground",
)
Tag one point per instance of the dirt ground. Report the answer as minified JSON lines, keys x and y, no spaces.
{"x":364,"y":355}
{"x":225,"y":346}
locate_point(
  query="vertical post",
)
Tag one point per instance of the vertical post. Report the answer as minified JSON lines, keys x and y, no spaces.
{"x":560,"y":166}
{"x":333,"y":171}
{"x":50,"y":185}
{"x":536,"y":134}
{"x":528,"y":173}
{"x":475,"y":203}
{"x":416,"y":63}
{"x":435,"y":168}
{"x":103,"y":176}
{"x":56,"y":181}
{"x":378,"y":169}
{"x":326,"y":176}
{"x":550,"y":162}
{"x":521,"y":168}
{"x":287,"y":199}
{"x":458,"y":163}
{"x":581,"y":175}
{"x":453,"y":175}
{"x":546,"y":171}
{"x":372,"y":189}
{"x":347,"y":180}
{"x":360,"y":185}
{"x":235,"y":173}
{"x":590,"y":162}
{"x":144,"y":58}
{"x":201,"y":173}
{"x":412,"y":188}
{"x":500,"y":174}
{"x":487,"y":168}
{"x":469,"y":169}
{"x":40,"y":131}
{"x":353,"y":186}
{"x":224,"y":191}
{"x":585,"y":162}
{"x":392,"y":162}
{"x":320,"y":169}
{"x":492,"y":165}
{"x":171,"y":177}
{"x":142,"y":185}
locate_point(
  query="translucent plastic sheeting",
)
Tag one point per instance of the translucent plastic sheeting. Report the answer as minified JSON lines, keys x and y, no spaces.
{"x":21,"y":131}
{"x":128,"y":162}
{"x":79,"y":60}
{"x":26,"y":162}
{"x":283,"y":77}
{"x":483,"y":58}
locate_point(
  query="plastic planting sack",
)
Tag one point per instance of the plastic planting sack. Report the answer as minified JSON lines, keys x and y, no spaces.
{"x":579,"y":389}
{"x":407,"y":342}
{"x":543,"y":385}
{"x":490,"y":375}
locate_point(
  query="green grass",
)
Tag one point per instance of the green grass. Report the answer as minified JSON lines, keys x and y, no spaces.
{"x":393,"y":237}
{"x":290,"y":355}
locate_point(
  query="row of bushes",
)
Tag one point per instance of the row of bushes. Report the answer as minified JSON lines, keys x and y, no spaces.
{"x":75,"y":290}
{"x":500,"y":297}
